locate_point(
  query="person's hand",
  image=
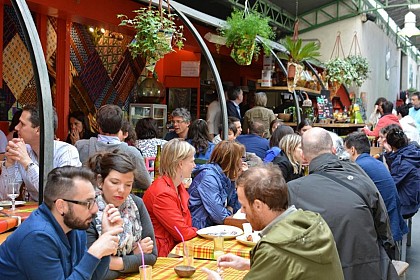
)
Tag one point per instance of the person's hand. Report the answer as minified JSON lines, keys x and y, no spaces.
{"x":234,"y":261}
{"x":387,"y":147}
{"x":111,"y":218}
{"x":106,"y":244}
{"x":244,"y":166}
{"x":146,"y":245}
{"x":74,"y":136}
{"x":16,"y":152}
{"x":376,"y":108}
{"x":211,"y":274}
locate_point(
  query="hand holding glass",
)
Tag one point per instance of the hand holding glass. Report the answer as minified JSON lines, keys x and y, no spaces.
{"x":218,"y":249}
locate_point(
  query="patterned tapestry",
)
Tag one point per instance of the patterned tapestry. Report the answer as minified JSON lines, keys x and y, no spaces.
{"x":102,"y":71}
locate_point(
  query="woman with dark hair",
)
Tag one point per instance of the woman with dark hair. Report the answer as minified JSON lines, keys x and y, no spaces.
{"x":404,"y":164}
{"x":199,"y":138}
{"x":303,"y":126}
{"x":147,"y":140}
{"x":127,"y":133}
{"x":377,"y":112}
{"x":275,"y":138}
{"x":213,"y":195}
{"x":274,"y":124}
{"x":115,"y":173}
{"x":79,"y":127}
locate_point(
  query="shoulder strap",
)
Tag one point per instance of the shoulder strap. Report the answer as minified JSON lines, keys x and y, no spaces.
{"x":345,"y":184}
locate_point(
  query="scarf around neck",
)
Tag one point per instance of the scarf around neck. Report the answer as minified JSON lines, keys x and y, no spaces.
{"x":131,"y":224}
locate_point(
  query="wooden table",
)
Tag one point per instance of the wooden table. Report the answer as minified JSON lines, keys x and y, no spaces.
{"x":4,"y":235}
{"x":9,"y":220}
{"x":203,"y":248}
{"x":164,"y":270}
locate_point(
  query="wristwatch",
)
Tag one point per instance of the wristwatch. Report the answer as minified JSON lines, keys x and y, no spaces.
{"x":29,"y":165}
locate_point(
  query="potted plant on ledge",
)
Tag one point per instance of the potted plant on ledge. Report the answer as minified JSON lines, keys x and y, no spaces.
{"x":156,"y":34}
{"x":296,"y":54}
{"x":241,"y":30}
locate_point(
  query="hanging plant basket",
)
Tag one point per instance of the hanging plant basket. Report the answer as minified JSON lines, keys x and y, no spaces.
{"x":243,"y":51}
{"x":156,"y":34}
{"x":241,"y":30}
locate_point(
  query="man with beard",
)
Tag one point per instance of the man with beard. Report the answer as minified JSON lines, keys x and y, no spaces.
{"x":51,"y":243}
{"x":294,"y":244}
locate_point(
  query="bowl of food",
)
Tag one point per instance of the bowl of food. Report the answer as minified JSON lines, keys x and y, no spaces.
{"x":184,"y":271}
{"x":285,"y":117}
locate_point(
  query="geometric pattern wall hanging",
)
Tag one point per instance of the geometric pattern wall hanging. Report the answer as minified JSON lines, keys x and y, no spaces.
{"x":110,"y":48}
{"x":17,"y":66}
{"x":51,"y":38}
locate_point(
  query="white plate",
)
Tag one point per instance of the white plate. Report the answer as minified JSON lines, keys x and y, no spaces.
{"x":1,"y":208}
{"x":8,"y":203}
{"x":243,"y":240}
{"x":228,"y":232}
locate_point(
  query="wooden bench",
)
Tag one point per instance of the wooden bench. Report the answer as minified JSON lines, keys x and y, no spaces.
{"x":401,"y":268}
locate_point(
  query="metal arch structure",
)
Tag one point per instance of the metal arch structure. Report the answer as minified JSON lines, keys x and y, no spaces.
{"x":213,"y":68}
{"x":206,"y":52}
{"x":42,"y":88}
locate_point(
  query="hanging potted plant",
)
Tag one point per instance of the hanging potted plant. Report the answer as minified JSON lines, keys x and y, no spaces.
{"x":296,"y":54}
{"x":360,"y":69}
{"x":241,"y":30}
{"x":339,"y":71}
{"x":156,"y":34}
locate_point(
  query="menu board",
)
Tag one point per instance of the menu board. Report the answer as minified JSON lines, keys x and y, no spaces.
{"x":325,"y":108}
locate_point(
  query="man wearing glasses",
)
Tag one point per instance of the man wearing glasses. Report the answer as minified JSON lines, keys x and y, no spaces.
{"x":51,"y":243}
{"x":181,"y":119}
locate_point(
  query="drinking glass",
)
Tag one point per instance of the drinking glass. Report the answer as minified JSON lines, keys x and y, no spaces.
{"x":145,"y":272}
{"x":13,"y":192}
{"x":188,"y":254}
{"x":218,"y":249}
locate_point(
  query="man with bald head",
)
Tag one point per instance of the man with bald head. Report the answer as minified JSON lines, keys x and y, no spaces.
{"x":350,"y":203}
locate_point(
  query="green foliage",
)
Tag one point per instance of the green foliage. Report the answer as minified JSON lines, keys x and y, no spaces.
{"x":242,"y":26}
{"x":339,"y":70}
{"x":353,"y":69}
{"x":360,"y":67}
{"x":153,"y":30}
{"x":296,"y":52}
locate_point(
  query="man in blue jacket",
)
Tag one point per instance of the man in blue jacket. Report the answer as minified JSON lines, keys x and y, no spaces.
{"x":358,"y":147}
{"x":51,"y":243}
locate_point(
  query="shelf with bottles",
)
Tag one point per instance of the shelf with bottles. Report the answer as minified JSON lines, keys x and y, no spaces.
{"x":158,"y":112}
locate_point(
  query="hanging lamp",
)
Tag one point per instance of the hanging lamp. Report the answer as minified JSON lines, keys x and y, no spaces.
{"x":410,"y":29}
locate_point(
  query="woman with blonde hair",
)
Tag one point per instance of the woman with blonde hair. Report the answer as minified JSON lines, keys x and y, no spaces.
{"x":213,"y":196}
{"x":290,"y":158}
{"x":167,"y":199}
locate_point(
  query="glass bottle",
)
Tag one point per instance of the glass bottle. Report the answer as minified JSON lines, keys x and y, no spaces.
{"x":157,"y":162}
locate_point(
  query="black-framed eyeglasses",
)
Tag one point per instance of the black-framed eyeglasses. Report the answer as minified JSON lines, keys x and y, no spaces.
{"x":88,"y":203}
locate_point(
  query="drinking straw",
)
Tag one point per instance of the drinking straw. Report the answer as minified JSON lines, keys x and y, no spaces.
{"x":142,"y":260}
{"x":183,"y":244}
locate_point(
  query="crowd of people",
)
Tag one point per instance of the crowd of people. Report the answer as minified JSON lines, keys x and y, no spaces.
{"x":340,"y":221}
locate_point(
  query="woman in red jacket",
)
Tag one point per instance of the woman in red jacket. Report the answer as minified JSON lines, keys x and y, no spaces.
{"x":167,"y":199}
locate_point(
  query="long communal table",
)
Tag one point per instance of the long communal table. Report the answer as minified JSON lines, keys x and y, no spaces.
{"x":164,"y":270}
{"x":9,"y":220}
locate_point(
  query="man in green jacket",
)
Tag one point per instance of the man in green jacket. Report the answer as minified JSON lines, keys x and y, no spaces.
{"x":294,"y":244}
